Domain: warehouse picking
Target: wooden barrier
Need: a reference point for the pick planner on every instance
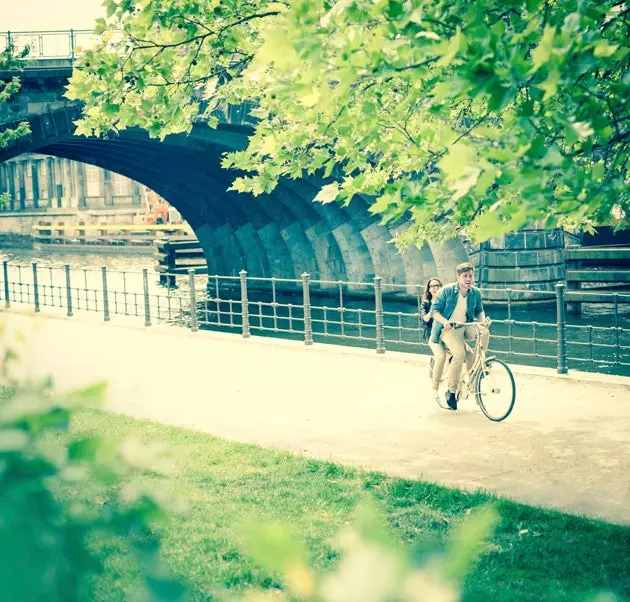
(101, 237)
(176, 257)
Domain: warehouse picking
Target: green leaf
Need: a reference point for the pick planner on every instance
(430, 35)
(469, 538)
(86, 448)
(274, 547)
(12, 440)
(454, 163)
(598, 171)
(310, 97)
(604, 49)
(455, 44)
(550, 85)
(486, 179)
(395, 9)
(111, 7)
(542, 52)
(100, 26)
(381, 204)
(463, 185)
(553, 158)
(501, 95)
(582, 129)
(328, 193)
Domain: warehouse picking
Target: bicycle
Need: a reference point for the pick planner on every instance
(490, 378)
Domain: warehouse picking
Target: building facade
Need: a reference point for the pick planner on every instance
(34, 182)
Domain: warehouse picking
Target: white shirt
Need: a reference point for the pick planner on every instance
(459, 313)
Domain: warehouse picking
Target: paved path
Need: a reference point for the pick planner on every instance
(566, 445)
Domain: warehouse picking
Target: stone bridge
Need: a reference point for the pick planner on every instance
(282, 234)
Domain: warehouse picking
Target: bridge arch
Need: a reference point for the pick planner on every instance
(282, 234)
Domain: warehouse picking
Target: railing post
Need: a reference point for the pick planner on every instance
(7, 299)
(244, 305)
(308, 324)
(68, 291)
(35, 287)
(562, 334)
(509, 319)
(194, 327)
(378, 314)
(147, 305)
(617, 329)
(105, 295)
(72, 44)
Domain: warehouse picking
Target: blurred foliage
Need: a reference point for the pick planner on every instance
(5, 200)
(47, 542)
(374, 566)
(450, 115)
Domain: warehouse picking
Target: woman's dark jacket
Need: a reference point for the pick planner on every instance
(424, 310)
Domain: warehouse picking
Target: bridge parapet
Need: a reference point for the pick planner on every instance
(61, 44)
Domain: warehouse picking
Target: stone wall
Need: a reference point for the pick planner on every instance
(531, 260)
(15, 240)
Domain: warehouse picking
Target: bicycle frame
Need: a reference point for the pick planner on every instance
(479, 357)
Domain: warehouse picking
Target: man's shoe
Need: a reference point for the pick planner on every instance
(438, 400)
(451, 400)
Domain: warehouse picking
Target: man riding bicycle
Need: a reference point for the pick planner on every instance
(456, 303)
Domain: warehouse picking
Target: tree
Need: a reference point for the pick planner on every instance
(480, 116)
(10, 60)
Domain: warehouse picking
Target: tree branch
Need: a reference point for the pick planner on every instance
(203, 36)
(416, 65)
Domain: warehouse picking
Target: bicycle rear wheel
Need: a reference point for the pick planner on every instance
(495, 390)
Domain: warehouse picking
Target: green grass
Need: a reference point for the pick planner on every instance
(226, 484)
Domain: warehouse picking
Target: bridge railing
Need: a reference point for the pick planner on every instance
(63, 44)
(377, 315)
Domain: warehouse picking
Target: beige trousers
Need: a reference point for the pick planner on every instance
(455, 340)
(439, 357)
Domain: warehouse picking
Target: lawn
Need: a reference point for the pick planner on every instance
(534, 554)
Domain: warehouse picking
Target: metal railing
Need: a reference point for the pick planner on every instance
(375, 314)
(63, 44)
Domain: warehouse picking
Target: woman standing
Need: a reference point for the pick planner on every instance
(439, 353)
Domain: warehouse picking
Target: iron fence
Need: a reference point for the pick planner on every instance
(373, 314)
(63, 44)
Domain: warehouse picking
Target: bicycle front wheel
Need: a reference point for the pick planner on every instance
(495, 390)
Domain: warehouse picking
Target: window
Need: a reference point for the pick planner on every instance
(42, 176)
(93, 180)
(27, 166)
(120, 185)
(16, 179)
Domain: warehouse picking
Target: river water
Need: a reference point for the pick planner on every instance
(598, 340)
